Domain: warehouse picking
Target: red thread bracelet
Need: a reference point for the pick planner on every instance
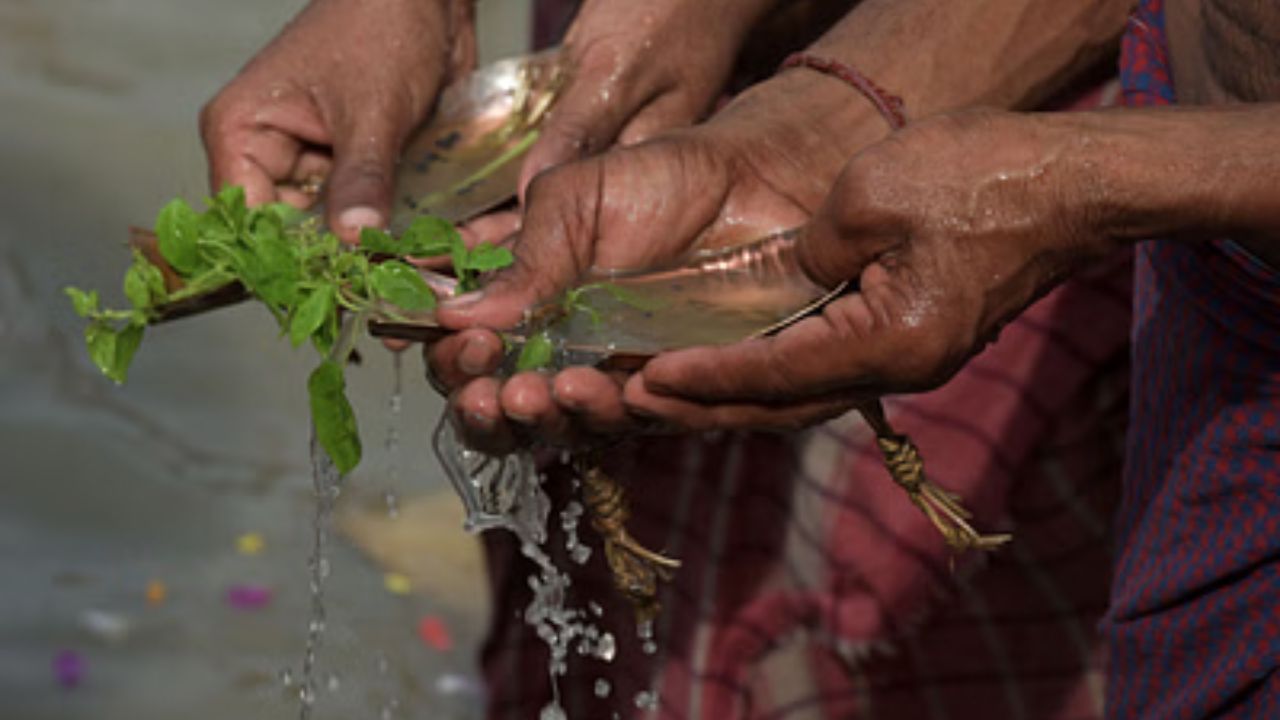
(889, 105)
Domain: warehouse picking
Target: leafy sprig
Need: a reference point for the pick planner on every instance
(304, 276)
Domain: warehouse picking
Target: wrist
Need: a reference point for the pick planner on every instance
(1183, 173)
(802, 127)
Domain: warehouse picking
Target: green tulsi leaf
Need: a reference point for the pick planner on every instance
(112, 349)
(429, 236)
(177, 229)
(230, 205)
(311, 314)
(100, 337)
(284, 212)
(335, 422)
(143, 283)
(128, 339)
(485, 257)
(302, 273)
(461, 270)
(399, 284)
(85, 303)
(536, 353)
(377, 241)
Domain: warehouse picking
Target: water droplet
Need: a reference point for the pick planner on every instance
(644, 630)
(647, 700)
(602, 688)
(606, 648)
(649, 647)
(286, 678)
(580, 554)
(552, 711)
(332, 683)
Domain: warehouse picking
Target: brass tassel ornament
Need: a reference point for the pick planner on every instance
(636, 570)
(905, 465)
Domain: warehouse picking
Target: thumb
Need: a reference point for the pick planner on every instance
(553, 250)
(841, 240)
(362, 180)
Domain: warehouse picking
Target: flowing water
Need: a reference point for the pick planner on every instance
(327, 485)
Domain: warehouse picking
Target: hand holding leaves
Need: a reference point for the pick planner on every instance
(303, 275)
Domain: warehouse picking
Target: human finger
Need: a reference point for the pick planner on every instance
(255, 143)
(306, 181)
(364, 154)
(587, 115)
(593, 399)
(526, 399)
(663, 112)
(848, 232)
(252, 159)
(689, 415)
(479, 419)
(493, 228)
(457, 359)
(553, 249)
(865, 339)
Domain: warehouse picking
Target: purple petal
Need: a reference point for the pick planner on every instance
(248, 597)
(69, 668)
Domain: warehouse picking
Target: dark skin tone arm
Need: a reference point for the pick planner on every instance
(955, 225)
(1062, 189)
(936, 55)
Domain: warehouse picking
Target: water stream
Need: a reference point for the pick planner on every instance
(326, 486)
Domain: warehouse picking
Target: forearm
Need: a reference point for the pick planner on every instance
(1009, 54)
(937, 56)
(1194, 173)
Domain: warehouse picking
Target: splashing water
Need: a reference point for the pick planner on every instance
(507, 493)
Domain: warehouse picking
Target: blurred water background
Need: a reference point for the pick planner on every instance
(174, 480)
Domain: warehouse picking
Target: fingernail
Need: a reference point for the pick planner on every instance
(566, 397)
(469, 360)
(360, 217)
(463, 300)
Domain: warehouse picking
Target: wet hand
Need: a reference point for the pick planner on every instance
(949, 227)
(329, 102)
(632, 208)
(638, 68)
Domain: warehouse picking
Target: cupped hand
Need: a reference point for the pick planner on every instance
(734, 178)
(638, 68)
(330, 101)
(950, 227)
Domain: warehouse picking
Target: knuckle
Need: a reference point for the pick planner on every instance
(369, 173)
(213, 118)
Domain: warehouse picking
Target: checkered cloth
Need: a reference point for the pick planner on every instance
(1195, 621)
